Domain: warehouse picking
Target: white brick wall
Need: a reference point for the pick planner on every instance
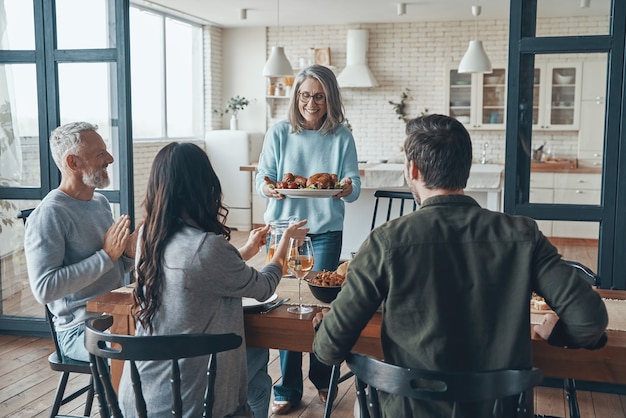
(415, 55)
(212, 76)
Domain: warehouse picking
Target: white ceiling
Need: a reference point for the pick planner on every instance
(227, 13)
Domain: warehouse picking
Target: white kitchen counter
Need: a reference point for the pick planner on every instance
(484, 185)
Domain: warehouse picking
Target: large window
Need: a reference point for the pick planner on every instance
(60, 61)
(166, 76)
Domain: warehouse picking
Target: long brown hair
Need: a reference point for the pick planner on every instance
(182, 182)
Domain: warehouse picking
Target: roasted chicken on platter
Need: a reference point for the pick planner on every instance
(316, 181)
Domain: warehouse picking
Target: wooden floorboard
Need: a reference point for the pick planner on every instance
(27, 387)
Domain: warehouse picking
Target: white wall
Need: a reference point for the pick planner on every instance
(243, 57)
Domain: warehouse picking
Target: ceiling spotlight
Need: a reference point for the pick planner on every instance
(401, 9)
(584, 4)
(243, 14)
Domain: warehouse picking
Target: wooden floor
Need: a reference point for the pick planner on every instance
(27, 387)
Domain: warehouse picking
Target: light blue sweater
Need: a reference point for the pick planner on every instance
(66, 263)
(305, 154)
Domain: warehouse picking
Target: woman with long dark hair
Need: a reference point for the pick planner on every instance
(190, 279)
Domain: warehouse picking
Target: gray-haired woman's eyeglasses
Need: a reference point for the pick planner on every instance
(305, 97)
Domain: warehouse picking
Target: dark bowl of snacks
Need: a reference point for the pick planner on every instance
(326, 285)
(324, 294)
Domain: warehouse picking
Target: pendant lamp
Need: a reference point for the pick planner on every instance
(475, 59)
(277, 64)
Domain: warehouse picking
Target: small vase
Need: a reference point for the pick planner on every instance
(233, 123)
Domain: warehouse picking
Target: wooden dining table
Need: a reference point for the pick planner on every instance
(280, 329)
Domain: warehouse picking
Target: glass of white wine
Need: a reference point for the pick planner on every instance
(300, 262)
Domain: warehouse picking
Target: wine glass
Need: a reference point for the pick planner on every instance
(300, 262)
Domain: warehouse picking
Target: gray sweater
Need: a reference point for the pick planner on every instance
(66, 263)
(204, 281)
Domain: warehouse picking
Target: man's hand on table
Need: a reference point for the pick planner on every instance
(317, 319)
(545, 328)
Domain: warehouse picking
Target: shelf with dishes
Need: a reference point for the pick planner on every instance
(477, 100)
(278, 91)
(557, 96)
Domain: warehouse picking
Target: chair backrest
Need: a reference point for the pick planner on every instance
(391, 196)
(24, 213)
(456, 387)
(53, 332)
(103, 346)
(585, 272)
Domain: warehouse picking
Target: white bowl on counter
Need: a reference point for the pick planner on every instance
(563, 79)
(493, 79)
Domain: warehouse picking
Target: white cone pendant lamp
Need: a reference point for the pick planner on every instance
(277, 64)
(475, 59)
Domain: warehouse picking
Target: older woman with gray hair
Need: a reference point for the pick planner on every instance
(314, 139)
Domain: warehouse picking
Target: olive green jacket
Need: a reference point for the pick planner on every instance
(454, 282)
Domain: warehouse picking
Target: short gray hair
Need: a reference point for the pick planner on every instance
(66, 140)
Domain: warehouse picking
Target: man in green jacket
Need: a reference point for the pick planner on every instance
(455, 280)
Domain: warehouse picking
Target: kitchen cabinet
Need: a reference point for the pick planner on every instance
(477, 100)
(567, 188)
(556, 96)
(542, 191)
(592, 111)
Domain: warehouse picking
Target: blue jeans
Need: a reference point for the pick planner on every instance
(327, 249)
(72, 343)
(259, 381)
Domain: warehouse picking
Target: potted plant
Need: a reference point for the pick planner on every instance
(235, 104)
(400, 107)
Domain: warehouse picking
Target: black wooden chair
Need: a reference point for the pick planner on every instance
(63, 364)
(390, 197)
(103, 346)
(455, 387)
(24, 213)
(569, 385)
(66, 366)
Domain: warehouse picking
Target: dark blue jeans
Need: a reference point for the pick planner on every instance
(327, 249)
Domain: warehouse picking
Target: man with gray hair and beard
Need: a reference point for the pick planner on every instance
(74, 249)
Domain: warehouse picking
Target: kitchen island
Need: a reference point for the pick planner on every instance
(484, 185)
